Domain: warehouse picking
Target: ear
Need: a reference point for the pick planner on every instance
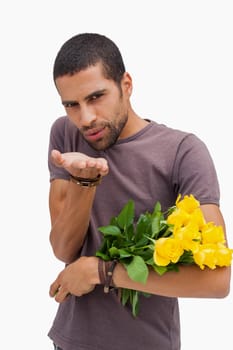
(127, 84)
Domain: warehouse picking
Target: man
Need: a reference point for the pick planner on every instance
(102, 154)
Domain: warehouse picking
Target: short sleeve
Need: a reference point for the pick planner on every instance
(194, 171)
(56, 141)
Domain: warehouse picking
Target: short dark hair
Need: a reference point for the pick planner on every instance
(85, 50)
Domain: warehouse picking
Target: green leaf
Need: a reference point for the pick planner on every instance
(104, 247)
(137, 270)
(131, 296)
(165, 230)
(171, 209)
(124, 253)
(146, 295)
(142, 242)
(129, 232)
(150, 261)
(156, 225)
(134, 302)
(160, 269)
(173, 267)
(126, 216)
(157, 208)
(113, 221)
(114, 252)
(142, 227)
(110, 230)
(186, 258)
(146, 255)
(103, 256)
(125, 294)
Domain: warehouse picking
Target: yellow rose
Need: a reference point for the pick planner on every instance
(187, 211)
(188, 203)
(189, 232)
(206, 256)
(198, 218)
(223, 255)
(167, 249)
(212, 234)
(178, 218)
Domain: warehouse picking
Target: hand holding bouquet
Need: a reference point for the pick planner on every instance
(183, 237)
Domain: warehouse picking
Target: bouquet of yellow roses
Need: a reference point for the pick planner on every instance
(162, 243)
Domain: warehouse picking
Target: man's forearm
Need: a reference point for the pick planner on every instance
(70, 226)
(189, 282)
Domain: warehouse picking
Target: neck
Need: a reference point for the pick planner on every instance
(133, 125)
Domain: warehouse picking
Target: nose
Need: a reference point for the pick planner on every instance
(87, 116)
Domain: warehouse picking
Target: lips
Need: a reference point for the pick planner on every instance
(94, 134)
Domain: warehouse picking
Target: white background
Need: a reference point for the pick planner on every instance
(180, 56)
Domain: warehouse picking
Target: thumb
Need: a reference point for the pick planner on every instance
(56, 157)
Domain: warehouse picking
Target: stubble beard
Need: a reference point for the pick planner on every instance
(114, 131)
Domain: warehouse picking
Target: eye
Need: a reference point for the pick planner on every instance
(70, 104)
(96, 96)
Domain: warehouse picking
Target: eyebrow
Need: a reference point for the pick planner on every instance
(73, 102)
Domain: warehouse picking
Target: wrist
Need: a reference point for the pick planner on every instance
(93, 269)
(86, 182)
(106, 270)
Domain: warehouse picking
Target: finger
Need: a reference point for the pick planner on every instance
(102, 166)
(57, 157)
(54, 288)
(91, 163)
(61, 294)
(77, 164)
(98, 163)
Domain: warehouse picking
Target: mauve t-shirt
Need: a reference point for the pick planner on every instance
(155, 164)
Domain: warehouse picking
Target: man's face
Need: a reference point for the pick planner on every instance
(96, 105)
